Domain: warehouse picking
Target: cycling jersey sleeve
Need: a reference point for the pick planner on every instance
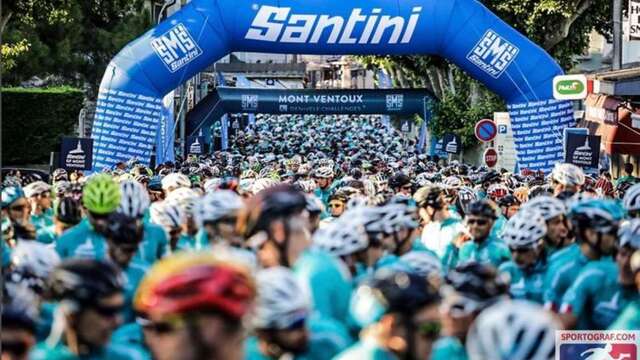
(578, 294)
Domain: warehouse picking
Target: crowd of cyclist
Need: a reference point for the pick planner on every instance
(315, 238)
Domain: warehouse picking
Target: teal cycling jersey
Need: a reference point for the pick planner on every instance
(327, 281)
(563, 254)
(367, 349)
(130, 336)
(47, 235)
(6, 255)
(629, 319)
(490, 251)
(563, 269)
(186, 242)
(526, 284)
(133, 274)
(448, 348)
(498, 227)
(596, 298)
(45, 320)
(45, 351)
(82, 241)
(43, 220)
(450, 258)
(327, 338)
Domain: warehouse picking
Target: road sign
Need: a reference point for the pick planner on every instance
(486, 130)
(490, 157)
(570, 87)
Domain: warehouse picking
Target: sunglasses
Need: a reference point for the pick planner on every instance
(520, 249)
(108, 311)
(164, 327)
(480, 222)
(336, 205)
(127, 248)
(18, 208)
(406, 187)
(429, 329)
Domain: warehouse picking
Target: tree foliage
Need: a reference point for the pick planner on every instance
(561, 27)
(72, 40)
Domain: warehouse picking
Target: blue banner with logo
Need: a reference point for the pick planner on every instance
(384, 82)
(243, 82)
(166, 132)
(76, 153)
(465, 32)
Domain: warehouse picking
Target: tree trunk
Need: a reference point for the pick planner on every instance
(4, 21)
(563, 29)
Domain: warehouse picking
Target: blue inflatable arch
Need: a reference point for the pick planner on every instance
(130, 110)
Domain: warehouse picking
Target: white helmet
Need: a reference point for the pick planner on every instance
(568, 174)
(212, 184)
(549, 207)
(184, 197)
(34, 258)
(422, 263)
(525, 229)
(36, 188)
(632, 198)
(513, 330)
(218, 205)
(281, 299)
(342, 237)
(629, 234)
(324, 172)
(174, 181)
(134, 199)
(453, 182)
(307, 186)
(390, 218)
(262, 183)
(166, 214)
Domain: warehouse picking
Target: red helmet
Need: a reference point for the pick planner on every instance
(191, 282)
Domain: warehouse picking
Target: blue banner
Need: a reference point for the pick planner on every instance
(384, 82)
(243, 82)
(464, 32)
(422, 137)
(166, 132)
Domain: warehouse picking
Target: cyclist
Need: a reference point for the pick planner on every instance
(509, 206)
(399, 314)
(629, 235)
(323, 177)
(400, 184)
(124, 235)
(100, 197)
(440, 227)
(186, 199)
(217, 214)
(524, 234)
(285, 325)
(39, 195)
(483, 246)
(18, 333)
(554, 213)
(468, 289)
(526, 332)
(628, 175)
(170, 217)
(174, 181)
(631, 201)
(275, 223)
(603, 288)
(89, 297)
(566, 180)
(595, 223)
(337, 203)
(68, 214)
(15, 207)
(195, 304)
(490, 178)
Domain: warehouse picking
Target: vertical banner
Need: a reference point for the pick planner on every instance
(504, 143)
(422, 137)
(633, 31)
(166, 132)
(384, 82)
(243, 82)
(224, 132)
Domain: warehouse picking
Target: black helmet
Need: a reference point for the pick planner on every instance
(480, 282)
(484, 208)
(398, 180)
(278, 201)
(508, 200)
(491, 176)
(84, 281)
(68, 211)
(123, 229)
(391, 291)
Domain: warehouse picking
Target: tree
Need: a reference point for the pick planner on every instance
(72, 40)
(561, 27)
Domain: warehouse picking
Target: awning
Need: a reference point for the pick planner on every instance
(608, 117)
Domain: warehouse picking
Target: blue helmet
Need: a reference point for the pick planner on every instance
(601, 215)
(10, 194)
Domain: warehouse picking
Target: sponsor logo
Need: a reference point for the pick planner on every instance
(281, 24)
(597, 345)
(568, 87)
(284, 107)
(493, 54)
(249, 102)
(395, 102)
(176, 48)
